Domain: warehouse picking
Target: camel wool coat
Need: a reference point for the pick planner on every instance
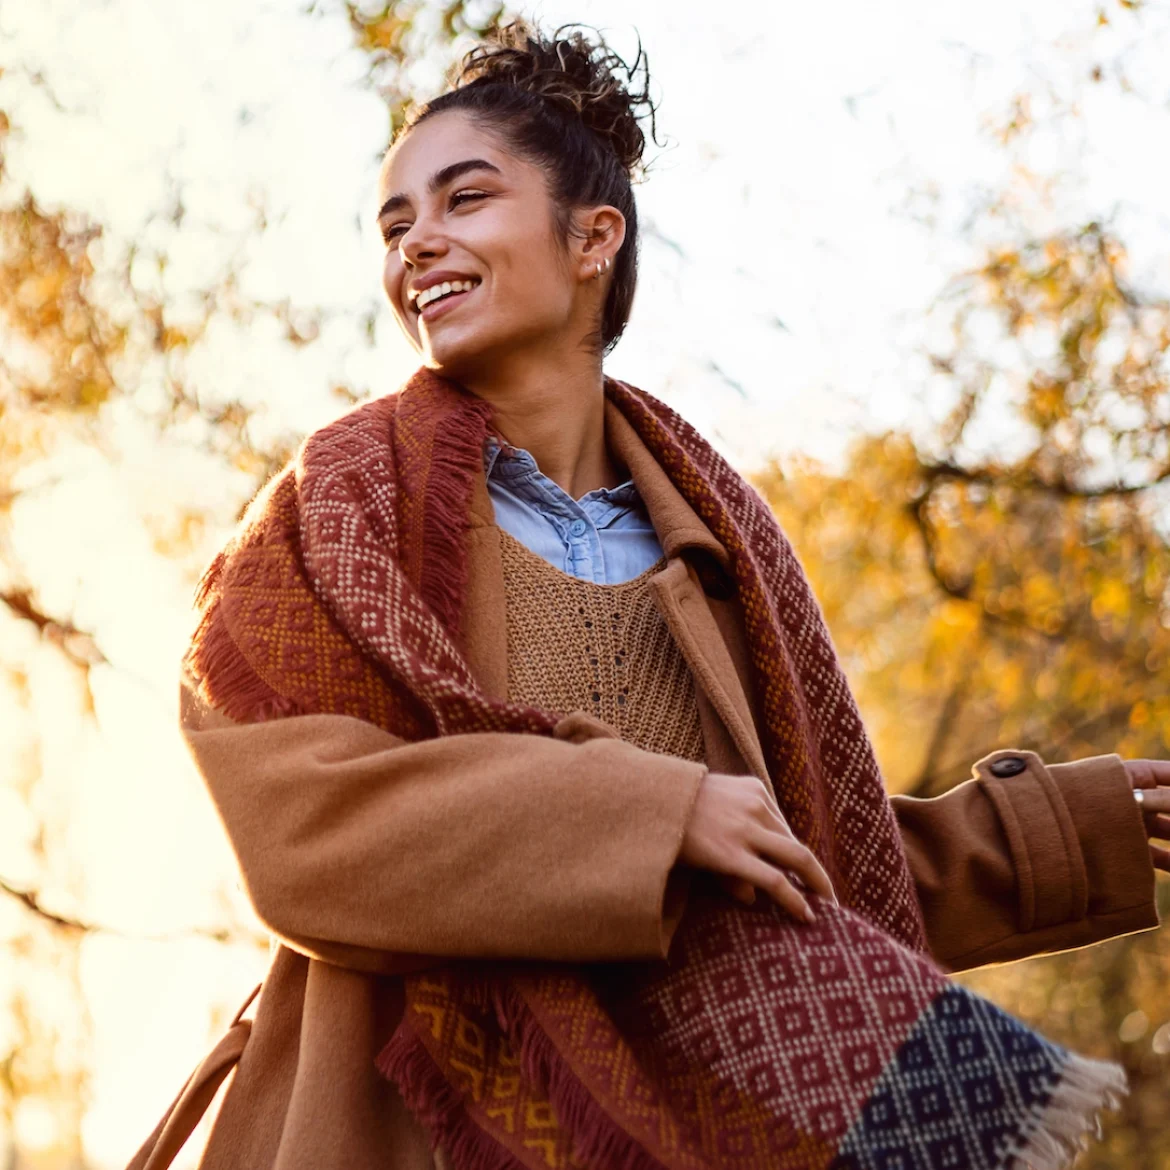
(368, 856)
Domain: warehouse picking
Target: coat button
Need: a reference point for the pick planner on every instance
(1007, 766)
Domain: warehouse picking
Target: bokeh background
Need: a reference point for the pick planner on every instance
(906, 264)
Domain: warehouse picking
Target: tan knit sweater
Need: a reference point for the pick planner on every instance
(605, 649)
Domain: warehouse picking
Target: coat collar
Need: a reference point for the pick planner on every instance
(677, 524)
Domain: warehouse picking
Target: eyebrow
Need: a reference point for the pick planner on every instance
(440, 179)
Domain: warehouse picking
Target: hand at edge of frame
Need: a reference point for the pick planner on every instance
(1153, 778)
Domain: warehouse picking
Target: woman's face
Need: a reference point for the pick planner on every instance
(457, 207)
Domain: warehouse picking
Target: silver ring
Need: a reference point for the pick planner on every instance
(598, 272)
(1139, 794)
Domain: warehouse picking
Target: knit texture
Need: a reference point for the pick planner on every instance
(578, 645)
(760, 1042)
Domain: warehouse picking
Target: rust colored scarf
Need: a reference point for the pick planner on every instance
(760, 1042)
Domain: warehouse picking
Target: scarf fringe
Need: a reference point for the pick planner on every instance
(1057, 1134)
(455, 462)
(209, 582)
(598, 1141)
(226, 681)
(438, 1105)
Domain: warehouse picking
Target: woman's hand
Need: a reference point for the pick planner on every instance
(737, 831)
(1153, 778)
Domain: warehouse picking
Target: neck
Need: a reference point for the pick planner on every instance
(554, 409)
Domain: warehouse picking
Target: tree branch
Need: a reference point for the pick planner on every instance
(943, 728)
(31, 901)
(917, 509)
(1050, 751)
(962, 591)
(1057, 487)
(79, 647)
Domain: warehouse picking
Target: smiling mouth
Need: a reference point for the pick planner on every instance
(429, 301)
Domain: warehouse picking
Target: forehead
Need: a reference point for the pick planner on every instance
(439, 141)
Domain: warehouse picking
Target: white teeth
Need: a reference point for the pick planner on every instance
(440, 290)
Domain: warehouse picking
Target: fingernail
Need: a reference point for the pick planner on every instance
(809, 916)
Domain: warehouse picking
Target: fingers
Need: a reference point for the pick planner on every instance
(1160, 857)
(791, 854)
(770, 797)
(1148, 773)
(777, 887)
(1158, 826)
(737, 830)
(1155, 800)
(740, 889)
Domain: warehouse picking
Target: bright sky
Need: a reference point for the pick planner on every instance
(821, 168)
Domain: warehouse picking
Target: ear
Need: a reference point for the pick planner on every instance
(600, 233)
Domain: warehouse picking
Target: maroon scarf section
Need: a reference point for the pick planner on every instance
(343, 588)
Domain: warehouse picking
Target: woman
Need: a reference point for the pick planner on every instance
(589, 573)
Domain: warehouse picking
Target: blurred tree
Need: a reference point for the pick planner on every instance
(999, 574)
(89, 322)
(1013, 563)
(410, 43)
(1003, 580)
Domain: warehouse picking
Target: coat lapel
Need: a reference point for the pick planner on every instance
(485, 632)
(682, 601)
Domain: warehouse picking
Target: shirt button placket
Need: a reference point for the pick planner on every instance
(578, 548)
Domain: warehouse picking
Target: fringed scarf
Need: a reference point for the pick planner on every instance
(760, 1042)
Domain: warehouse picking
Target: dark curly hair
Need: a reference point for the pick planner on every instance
(558, 101)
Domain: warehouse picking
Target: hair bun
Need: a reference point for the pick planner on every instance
(576, 73)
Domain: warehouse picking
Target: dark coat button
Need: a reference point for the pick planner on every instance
(1007, 766)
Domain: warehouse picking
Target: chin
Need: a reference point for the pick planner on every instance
(459, 358)
(454, 362)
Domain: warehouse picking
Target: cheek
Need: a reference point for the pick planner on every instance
(393, 282)
(533, 288)
(392, 275)
(529, 280)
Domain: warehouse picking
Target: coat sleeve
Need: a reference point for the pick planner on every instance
(1052, 858)
(362, 849)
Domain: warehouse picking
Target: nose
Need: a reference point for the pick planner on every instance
(421, 242)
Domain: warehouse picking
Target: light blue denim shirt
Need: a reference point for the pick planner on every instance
(605, 536)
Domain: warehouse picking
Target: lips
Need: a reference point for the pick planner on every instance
(438, 308)
(435, 280)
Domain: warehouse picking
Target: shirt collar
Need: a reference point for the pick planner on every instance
(493, 448)
(505, 463)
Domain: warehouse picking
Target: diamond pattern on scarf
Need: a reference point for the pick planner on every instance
(963, 1083)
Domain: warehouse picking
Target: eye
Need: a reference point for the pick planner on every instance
(460, 196)
(396, 229)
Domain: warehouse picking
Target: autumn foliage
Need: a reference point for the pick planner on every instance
(1003, 580)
